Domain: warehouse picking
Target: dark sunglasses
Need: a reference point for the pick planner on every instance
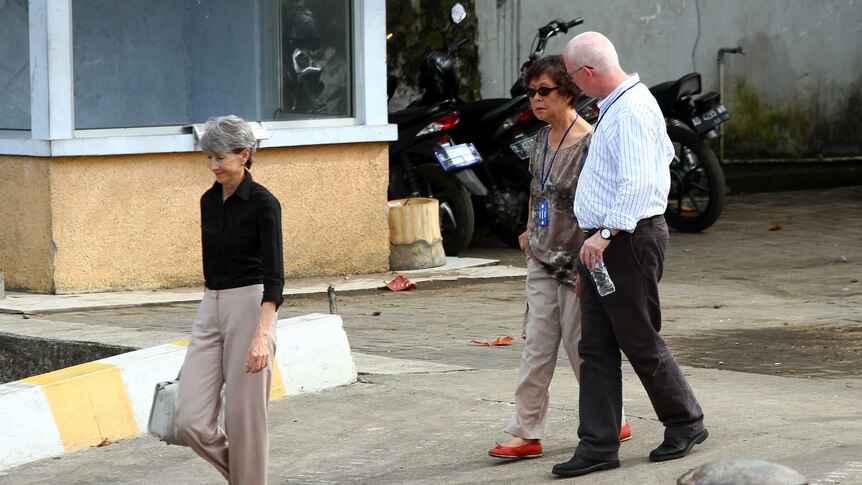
(544, 91)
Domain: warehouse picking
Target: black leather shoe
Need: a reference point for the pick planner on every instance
(580, 465)
(673, 448)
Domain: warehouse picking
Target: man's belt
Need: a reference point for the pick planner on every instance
(642, 222)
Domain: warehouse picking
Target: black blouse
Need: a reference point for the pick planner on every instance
(241, 239)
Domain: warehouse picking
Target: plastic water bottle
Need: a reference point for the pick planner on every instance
(604, 284)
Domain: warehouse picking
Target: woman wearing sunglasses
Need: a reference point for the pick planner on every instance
(551, 241)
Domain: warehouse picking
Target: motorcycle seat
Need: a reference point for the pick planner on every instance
(494, 116)
(476, 109)
(487, 114)
(409, 116)
(667, 93)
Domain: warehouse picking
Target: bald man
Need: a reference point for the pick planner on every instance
(620, 202)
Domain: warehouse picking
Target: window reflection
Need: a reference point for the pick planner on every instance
(316, 73)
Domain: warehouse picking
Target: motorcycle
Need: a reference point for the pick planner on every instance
(697, 191)
(697, 187)
(426, 162)
(491, 125)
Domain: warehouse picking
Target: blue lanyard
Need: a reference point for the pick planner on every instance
(545, 176)
(612, 102)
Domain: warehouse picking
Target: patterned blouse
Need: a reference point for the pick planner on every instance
(556, 245)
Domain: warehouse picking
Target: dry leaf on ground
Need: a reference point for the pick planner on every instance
(500, 341)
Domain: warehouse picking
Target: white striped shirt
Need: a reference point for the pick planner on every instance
(626, 176)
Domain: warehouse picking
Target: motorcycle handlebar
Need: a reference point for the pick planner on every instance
(546, 32)
(555, 26)
(572, 23)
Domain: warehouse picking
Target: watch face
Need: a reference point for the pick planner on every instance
(606, 233)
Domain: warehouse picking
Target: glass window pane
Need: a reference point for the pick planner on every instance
(316, 59)
(169, 62)
(15, 75)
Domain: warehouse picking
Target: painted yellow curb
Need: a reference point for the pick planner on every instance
(89, 403)
(277, 389)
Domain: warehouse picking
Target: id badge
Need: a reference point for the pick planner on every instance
(543, 213)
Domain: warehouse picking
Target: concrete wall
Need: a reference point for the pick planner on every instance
(797, 92)
(121, 222)
(26, 252)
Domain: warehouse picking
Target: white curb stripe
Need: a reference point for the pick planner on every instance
(310, 353)
(141, 369)
(28, 432)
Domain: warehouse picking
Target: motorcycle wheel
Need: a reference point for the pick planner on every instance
(512, 201)
(696, 196)
(456, 210)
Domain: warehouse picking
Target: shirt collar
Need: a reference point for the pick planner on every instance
(631, 81)
(243, 190)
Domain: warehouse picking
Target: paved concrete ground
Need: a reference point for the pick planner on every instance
(747, 311)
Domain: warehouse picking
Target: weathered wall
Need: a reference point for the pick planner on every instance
(25, 223)
(126, 221)
(797, 92)
(133, 221)
(334, 199)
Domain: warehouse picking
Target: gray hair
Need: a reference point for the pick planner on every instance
(592, 49)
(228, 134)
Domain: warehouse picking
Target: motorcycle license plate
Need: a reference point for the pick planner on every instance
(458, 156)
(523, 148)
(710, 119)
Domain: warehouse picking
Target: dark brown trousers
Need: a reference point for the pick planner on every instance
(629, 320)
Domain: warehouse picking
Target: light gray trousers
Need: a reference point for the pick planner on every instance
(221, 335)
(553, 315)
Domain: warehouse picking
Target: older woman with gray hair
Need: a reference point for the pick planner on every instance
(233, 336)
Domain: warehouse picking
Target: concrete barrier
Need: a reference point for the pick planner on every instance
(109, 399)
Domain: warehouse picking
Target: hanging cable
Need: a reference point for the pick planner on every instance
(696, 39)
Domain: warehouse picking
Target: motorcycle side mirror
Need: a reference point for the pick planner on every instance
(458, 13)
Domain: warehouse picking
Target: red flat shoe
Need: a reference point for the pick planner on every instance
(625, 432)
(530, 450)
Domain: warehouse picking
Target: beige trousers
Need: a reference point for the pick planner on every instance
(553, 315)
(221, 335)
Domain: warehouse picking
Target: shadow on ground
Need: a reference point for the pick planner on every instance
(820, 351)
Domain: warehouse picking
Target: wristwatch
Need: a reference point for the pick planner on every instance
(606, 234)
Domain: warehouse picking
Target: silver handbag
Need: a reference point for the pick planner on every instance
(162, 423)
(163, 413)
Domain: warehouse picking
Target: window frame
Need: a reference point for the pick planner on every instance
(53, 133)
